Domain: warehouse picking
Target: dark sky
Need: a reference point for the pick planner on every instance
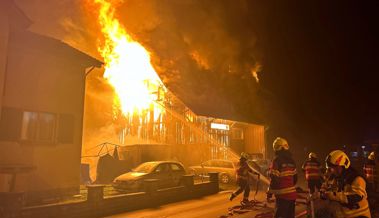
(321, 64)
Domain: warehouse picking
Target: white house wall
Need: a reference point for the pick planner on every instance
(38, 82)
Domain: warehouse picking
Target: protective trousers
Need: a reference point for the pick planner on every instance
(313, 184)
(243, 187)
(284, 208)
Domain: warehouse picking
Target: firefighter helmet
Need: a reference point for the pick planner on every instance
(371, 156)
(280, 144)
(337, 158)
(312, 155)
(244, 156)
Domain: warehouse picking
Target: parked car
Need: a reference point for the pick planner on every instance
(168, 174)
(261, 165)
(225, 168)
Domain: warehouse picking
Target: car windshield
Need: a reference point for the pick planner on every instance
(145, 167)
(224, 164)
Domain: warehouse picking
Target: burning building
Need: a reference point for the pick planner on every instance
(151, 122)
(42, 83)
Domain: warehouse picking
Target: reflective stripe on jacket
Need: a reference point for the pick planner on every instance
(312, 169)
(352, 197)
(283, 178)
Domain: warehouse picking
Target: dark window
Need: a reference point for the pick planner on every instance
(31, 126)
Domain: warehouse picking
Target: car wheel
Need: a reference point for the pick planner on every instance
(224, 178)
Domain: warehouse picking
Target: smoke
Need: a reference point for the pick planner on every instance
(64, 20)
(197, 46)
(204, 51)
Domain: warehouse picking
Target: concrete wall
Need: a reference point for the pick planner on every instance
(100, 207)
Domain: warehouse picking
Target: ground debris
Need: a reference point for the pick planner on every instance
(252, 205)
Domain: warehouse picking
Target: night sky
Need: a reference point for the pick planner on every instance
(316, 60)
(321, 64)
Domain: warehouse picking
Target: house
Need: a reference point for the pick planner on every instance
(169, 129)
(42, 85)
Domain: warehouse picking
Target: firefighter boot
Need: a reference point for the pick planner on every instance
(245, 201)
(232, 196)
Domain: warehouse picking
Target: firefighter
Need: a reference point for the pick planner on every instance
(243, 173)
(351, 187)
(283, 179)
(369, 171)
(370, 174)
(312, 170)
(328, 208)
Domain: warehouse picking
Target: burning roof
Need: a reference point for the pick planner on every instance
(185, 62)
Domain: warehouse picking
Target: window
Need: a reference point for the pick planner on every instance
(207, 163)
(161, 168)
(226, 164)
(237, 133)
(223, 164)
(176, 167)
(32, 126)
(38, 126)
(354, 154)
(215, 163)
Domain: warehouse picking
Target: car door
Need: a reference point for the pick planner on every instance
(217, 166)
(208, 166)
(177, 172)
(227, 167)
(162, 174)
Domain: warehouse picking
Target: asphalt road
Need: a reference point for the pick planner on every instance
(213, 206)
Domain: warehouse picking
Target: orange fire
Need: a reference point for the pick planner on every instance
(127, 64)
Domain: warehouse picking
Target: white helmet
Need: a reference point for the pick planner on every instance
(244, 156)
(371, 156)
(280, 144)
(312, 155)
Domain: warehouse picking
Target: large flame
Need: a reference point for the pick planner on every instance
(127, 63)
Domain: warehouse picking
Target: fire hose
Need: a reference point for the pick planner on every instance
(257, 187)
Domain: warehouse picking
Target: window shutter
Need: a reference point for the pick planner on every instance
(66, 129)
(10, 124)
